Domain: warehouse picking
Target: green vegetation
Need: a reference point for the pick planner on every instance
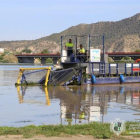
(125, 59)
(45, 51)
(49, 60)
(138, 50)
(27, 51)
(1, 57)
(97, 130)
(8, 58)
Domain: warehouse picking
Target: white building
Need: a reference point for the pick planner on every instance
(1, 50)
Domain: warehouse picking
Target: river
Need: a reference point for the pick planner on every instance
(36, 105)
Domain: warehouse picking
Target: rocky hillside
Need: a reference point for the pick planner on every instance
(121, 36)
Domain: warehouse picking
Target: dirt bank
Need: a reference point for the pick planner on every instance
(81, 137)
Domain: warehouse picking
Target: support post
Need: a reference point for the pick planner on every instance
(43, 60)
(19, 75)
(125, 69)
(92, 68)
(117, 68)
(109, 70)
(131, 69)
(138, 72)
(99, 69)
(103, 50)
(76, 48)
(61, 45)
(55, 59)
(89, 43)
(104, 70)
(89, 54)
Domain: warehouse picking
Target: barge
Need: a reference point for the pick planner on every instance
(93, 69)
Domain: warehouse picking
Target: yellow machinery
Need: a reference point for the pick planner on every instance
(46, 76)
(22, 70)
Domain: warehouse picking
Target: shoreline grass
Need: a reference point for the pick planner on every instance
(97, 130)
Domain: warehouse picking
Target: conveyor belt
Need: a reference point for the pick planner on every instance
(63, 77)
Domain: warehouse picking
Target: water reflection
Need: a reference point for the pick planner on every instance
(84, 104)
(22, 94)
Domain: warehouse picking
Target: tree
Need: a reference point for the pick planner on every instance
(127, 58)
(27, 51)
(49, 60)
(45, 51)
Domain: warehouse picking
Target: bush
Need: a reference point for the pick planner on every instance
(138, 50)
(49, 60)
(27, 51)
(9, 58)
(1, 57)
(127, 58)
(45, 51)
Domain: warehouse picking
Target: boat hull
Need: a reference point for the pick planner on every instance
(113, 80)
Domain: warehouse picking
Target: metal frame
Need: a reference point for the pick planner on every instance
(103, 38)
(21, 71)
(100, 63)
(89, 43)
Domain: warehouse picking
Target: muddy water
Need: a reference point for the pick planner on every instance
(20, 106)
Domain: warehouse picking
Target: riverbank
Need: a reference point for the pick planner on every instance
(79, 137)
(78, 132)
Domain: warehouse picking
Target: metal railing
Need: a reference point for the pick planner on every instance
(75, 58)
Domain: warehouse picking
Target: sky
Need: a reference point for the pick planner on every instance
(33, 19)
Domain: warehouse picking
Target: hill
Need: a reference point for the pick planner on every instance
(123, 35)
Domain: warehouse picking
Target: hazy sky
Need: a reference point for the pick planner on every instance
(32, 19)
